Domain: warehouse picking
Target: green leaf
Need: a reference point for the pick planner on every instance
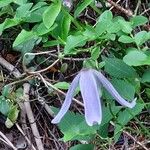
(140, 37)
(13, 113)
(74, 41)
(117, 68)
(95, 53)
(82, 6)
(51, 43)
(62, 85)
(90, 32)
(106, 16)
(6, 90)
(5, 3)
(138, 20)
(36, 15)
(23, 12)
(125, 39)
(125, 89)
(4, 106)
(125, 26)
(104, 22)
(100, 28)
(77, 128)
(136, 58)
(25, 41)
(65, 26)
(28, 58)
(8, 23)
(41, 29)
(24, 36)
(83, 147)
(113, 27)
(124, 117)
(51, 13)
(146, 76)
(108, 114)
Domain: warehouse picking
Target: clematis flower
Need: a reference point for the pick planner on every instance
(90, 82)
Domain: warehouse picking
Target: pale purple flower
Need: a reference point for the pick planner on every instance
(90, 82)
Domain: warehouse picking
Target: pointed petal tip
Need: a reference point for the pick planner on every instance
(94, 123)
(133, 103)
(55, 121)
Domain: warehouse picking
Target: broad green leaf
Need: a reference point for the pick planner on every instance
(146, 76)
(106, 16)
(108, 114)
(36, 15)
(23, 12)
(83, 147)
(124, 117)
(125, 89)
(90, 32)
(24, 36)
(113, 27)
(100, 28)
(136, 58)
(117, 68)
(41, 29)
(5, 3)
(126, 39)
(138, 20)
(140, 37)
(103, 22)
(74, 41)
(77, 128)
(25, 41)
(82, 6)
(50, 14)
(28, 45)
(8, 23)
(125, 26)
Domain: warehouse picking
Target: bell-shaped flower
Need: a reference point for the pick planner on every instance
(90, 82)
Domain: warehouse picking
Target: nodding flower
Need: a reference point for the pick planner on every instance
(90, 82)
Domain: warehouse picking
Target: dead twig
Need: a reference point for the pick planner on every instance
(125, 11)
(10, 67)
(8, 142)
(31, 117)
(135, 140)
(27, 139)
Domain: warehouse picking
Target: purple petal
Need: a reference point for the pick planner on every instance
(67, 101)
(113, 91)
(91, 98)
